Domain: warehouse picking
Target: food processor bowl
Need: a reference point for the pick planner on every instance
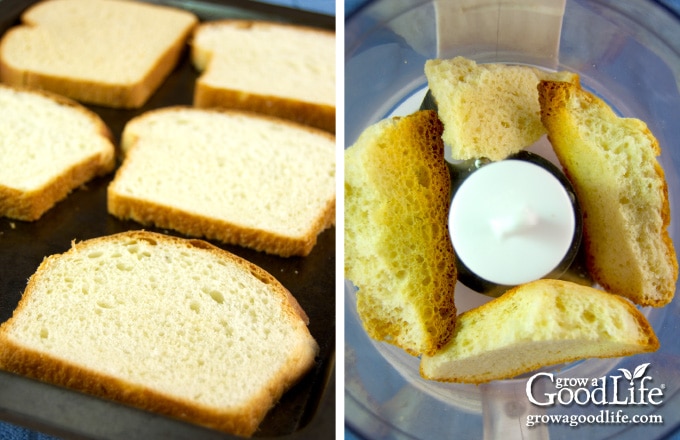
(628, 53)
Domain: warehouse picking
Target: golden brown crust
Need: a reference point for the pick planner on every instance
(315, 115)
(530, 366)
(207, 96)
(648, 343)
(111, 95)
(241, 421)
(405, 194)
(31, 205)
(201, 57)
(129, 141)
(651, 344)
(489, 110)
(121, 95)
(194, 225)
(19, 360)
(149, 213)
(579, 159)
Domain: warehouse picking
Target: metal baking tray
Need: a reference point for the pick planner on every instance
(307, 411)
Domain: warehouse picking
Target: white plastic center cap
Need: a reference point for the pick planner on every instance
(511, 222)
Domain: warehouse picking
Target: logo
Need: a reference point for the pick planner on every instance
(629, 388)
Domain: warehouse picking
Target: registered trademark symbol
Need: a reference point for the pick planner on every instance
(663, 386)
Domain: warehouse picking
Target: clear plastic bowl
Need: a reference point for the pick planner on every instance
(627, 52)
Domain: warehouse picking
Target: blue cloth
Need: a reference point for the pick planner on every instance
(352, 5)
(12, 432)
(673, 5)
(326, 7)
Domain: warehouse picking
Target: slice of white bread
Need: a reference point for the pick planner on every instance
(611, 162)
(241, 178)
(108, 52)
(169, 325)
(49, 145)
(488, 110)
(397, 247)
(538, 324)
(278, 69)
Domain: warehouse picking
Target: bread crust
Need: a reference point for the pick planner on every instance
(488, 110)
(110, 94)
(33, 364)
(397, 248)
(610, 236)
(237, 420)
(586, 346)
(31, 205)
(195, 225)
(314, 114)
(149, 213)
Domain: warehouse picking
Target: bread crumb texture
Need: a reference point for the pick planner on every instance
(48, 147)
(611, 161)
(277, 178)
(537, 324)
(488, 110)
(170, 325)
(108, 52)
(278, 69)
(397, 247)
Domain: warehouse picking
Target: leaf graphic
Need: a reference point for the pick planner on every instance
(626, 373)
(640, 371)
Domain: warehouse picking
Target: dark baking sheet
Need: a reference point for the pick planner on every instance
(306, 411)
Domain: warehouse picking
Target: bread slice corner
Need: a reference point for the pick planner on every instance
(397, 248)
(538, 324)
(489, 110)
(612, 164)
(112, 53)
(278, 69)
(238, 177)
(170, 325)
(49, 146)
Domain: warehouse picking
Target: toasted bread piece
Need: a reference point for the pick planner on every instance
(169, 325)
(538, 324)
(279, 69)
(49, 145)
(397, 248)
(488, 110)
(108, 52)
(611, 162)
(241, 178)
